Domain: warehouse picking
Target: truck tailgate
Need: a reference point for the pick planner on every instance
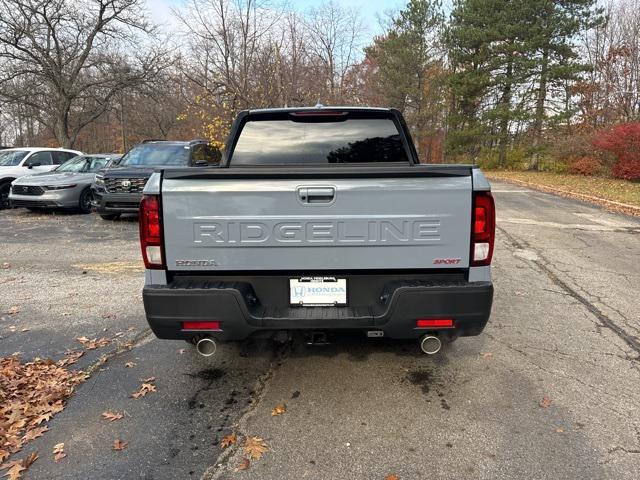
(231, 223)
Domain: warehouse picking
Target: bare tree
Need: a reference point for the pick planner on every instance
(611, 91)
(336, 34)
(67, 60)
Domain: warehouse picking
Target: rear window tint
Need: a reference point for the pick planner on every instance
(285, 141)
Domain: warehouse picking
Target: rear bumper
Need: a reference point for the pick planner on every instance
(233, 304)
(105, 202)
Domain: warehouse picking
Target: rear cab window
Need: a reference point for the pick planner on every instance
(319, 138)
(157, 155)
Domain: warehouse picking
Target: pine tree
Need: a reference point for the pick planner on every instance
(410, 68)
(487, 41)
(552, 42)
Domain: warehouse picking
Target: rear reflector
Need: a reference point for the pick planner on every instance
(435, 323)
(200, 325)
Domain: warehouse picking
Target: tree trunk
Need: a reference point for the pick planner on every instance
(540, 102)
(61, 126)
(505, 102)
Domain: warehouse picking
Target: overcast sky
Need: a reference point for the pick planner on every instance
(160, 10)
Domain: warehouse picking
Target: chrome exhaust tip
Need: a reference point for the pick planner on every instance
(206, 347)
(430, 344)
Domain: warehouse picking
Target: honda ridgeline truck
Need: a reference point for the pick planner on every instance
(318, 220)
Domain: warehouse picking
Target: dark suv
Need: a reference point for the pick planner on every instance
(118, 189)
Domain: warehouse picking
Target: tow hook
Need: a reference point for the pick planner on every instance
(430, 344)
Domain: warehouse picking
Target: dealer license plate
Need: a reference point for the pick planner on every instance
(318, 291)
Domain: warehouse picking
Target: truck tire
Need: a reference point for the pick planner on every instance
(5, 188)
(109, 216)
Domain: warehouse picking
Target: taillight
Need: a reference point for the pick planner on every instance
(151, 232)
(483, 229)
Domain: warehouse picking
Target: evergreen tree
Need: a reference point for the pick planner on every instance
(410, 72)
(505, 54)
(558, 22)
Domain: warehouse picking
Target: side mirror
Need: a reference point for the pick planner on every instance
(34, 164)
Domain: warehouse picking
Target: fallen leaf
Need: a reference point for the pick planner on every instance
(15, 471)
(70, 357)
(95, 343)
(255, 447)
(146, 388)
(149, 380)
(129, 364)
(112, 416)
(228, 440)
(392, 476)
(119, 445)
(58, 452)
(27, 462)
(278, 410)
(34, 433)
(5, 266)
(4, 455)
(243, 465)
(13, 310)
(559, 430)
(545, 402)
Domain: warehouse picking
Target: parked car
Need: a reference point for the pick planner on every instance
(317, 221)
(119, 190)
(67, 186)
(18, 162)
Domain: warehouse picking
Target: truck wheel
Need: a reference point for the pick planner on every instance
(5, 188)
(110, 216)
(84, 204)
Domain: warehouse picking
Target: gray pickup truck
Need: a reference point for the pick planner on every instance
(318, 221)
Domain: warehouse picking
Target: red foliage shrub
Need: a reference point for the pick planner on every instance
(627, 169)
(585, 166)
(623, 141)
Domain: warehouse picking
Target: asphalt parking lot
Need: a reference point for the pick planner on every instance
(550, 390)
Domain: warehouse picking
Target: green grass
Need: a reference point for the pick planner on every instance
(607, 188)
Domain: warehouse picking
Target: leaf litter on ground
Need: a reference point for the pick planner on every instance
(31, 393)
(94, 343)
